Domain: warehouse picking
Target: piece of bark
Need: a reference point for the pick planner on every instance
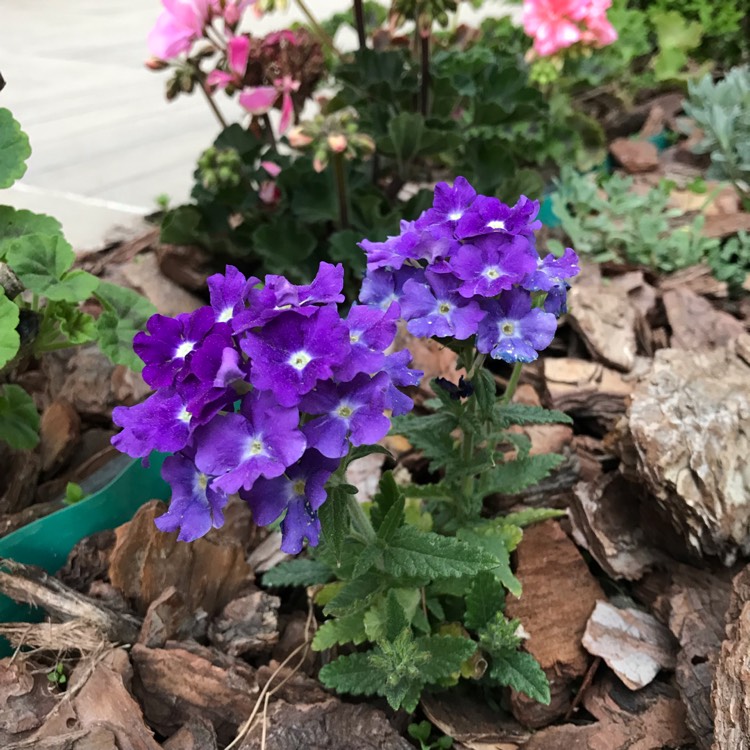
(31, 585)
(290, 684)
(87, 561)
(208, 573)
(730, 696)
(332, 725)
(650, 719)
(23, 469)
(725, 225)
(247, 625)
(593, 456)
(59, 433)
(99, 737)
(174, 685)
(11, 522)
(87, 384)
(633, 643)
(196, 734)
(559, 595)
(25, 699)
(699, 279)
(655, 122)
(606, 521)
(605, 319)
(470, 721)
(74, 636)
(696, 324)
(167, 618)
(294, 632)
(635, 156)
(187, 265)
(688, 422)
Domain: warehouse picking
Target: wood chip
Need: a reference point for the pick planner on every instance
(21, 469)
(247, 625)
(725, 225)
(634, 155)
(696, 324)
(25, 699)
(634, 644)
(187, 265)
(559, 595)
(196, 734)
(699, 279)
(59, 432)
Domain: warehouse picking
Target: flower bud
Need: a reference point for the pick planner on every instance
(154, 63)
(337, 143)
(297, 138)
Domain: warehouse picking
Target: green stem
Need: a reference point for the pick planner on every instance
(424, 88)
(512, 383)
(319, 30)
(359, 18)
(467, 456)
(339, 173)
(360, 520)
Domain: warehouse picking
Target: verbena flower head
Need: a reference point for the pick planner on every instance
(262, 392)
(557, 24)
(467, 269)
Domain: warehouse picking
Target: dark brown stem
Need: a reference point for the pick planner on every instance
(359, 18)
(269, 130)
(209, 98)
(339, 173)
(424, 90)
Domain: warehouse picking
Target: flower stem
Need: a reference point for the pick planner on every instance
(269, 131)
(360, 519)
(325, 37)
(359, 18)
(424, 89)
(210, 98)
(512, 383)
(339, 173)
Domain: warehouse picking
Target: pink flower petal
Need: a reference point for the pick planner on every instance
(238, 51)
(258, 100)
(287, 113)
(273, 169)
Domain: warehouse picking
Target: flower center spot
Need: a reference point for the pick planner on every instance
(496, 224)
(225, 315)
(300, 360)
(344, 411)
(184, 415)
(256, 447)
(444, 308)
(508, 328)
(492, 273)
(353, 338)
(299, 487)
(202, 481)
(455, 215)
(184, 349)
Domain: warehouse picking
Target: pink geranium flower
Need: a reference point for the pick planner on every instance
(178, 26)
(238, 52)
(287, 85)
(557, 24)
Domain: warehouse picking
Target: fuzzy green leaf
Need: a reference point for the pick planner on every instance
(499, 635)
(355, 595)
(10, 341)
(335, 520)
(529, 516)
(353, 674)
(445, 653)
(14, 149)
(522, 672)
(298, 572)
(15, 224)
(366, 450)
(505, 415)
(498, 540)
(418, 553)
(429, 433)
(340, 630)
(485, 598)
(513, 476)
(125, 314)
(387, 496)
(19, 419)
(392, 520)
(485, 391)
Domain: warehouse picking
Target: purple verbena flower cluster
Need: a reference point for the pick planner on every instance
(310, 384)
(469, 267)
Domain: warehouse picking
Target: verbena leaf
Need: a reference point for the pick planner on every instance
(392, 499)
(513, 476)
(365, 560)
(485, 391)
(499, 541)
(353, 674)
(366, 450)
(354, 595)
(340, 630)
(430, 434)
(19, 419)
(445, 653)
(522, 672)
(15, 224)
(484, 600)
(10, 341)
(416, 553)
(499, 635)
(387, 495)
(14, 149)
(529, 516)
(125, 314)
(505, 415)
(298, 572)
(335, 520)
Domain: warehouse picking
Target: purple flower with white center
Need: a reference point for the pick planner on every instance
(228, 292)
(160, 423)
(351, 413)
(381, 288)
(292, 353)
(325, 288)
(395, 250)
(371, 332)
(513, 330)
(397, 368)
(167, 349)
(300, 492)
(436, 308)
(488, 267)
(196, 505)
(449, 204)
(550, 272)
(488, 215)
(262, 440)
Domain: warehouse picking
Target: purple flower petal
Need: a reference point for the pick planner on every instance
(552, 271)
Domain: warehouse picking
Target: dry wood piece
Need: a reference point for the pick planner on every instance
(332, 725)
(187, 265)
(634, 644)
(167, 618)
(30, 585)
(87, 561)
(605, 319)
(174, 685)
(559, 595)
(696, 324)
(606, 521)
(725, 225)
(699, 279)
(208, 573)
(25, 699)
(635, 156)
(196, 734)
(74, 635)
(247, 625)
(689, 425)
(20, 482)
(59, 432)
(731, 690)
(650, 719)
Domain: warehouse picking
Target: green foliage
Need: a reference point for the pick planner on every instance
(722, 111)
(14, 149)
(19, 419)
(298, 572)
(676, 39)
(607, 221)
(10, 341)
(15, 224)
(57, 676)
(730, 262)
(73, 493)
(421, 733)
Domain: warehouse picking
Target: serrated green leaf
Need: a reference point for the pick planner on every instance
(19, 419)
(499, 541)
(530, 516)
(387, 495)
(14, 149)
(340, 630)
(499, 635)
(485, 391)
(445, 654)
(355, 595)
(335, 520)
(354, 674)
(125, 314)
(390, 615)
(298, 572)
(361, 451)
(393, 519)
(429, 433)
(10, 341)
(416, 553)
(485, 598)
(404, 695)
(513, 476)
(505, 415)
(15, 224)
(365, 561)
(521, 671)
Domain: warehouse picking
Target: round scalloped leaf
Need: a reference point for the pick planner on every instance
(9, 338)
(19, 419)
(14, 149)
(18, 223)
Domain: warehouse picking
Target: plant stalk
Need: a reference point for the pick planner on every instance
(210, 99)
(512, 383)
(339, 173)
(324, 36)
(359, 18)
(424, 87)
(360, 520)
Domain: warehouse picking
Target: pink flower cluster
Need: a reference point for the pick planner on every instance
(557, 24)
